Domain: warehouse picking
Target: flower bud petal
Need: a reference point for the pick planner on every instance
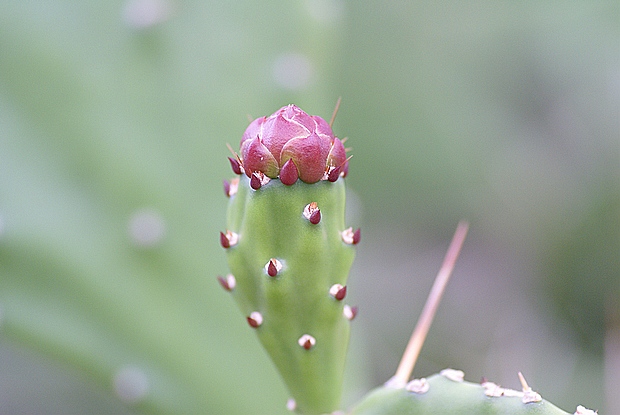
(323, 128)
(289, 173)
(309, 154)
(278, 130)
(337, 154)
(257, 158)
(253, 130)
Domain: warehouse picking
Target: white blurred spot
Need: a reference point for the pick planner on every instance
(141, 14)
(291, 405)
(146, 228)
(131, 384)
(325, 11)
(292, 71)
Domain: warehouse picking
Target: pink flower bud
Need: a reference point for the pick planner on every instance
(290, 134)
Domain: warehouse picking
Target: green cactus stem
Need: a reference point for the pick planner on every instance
(289, 251)
(448, 394)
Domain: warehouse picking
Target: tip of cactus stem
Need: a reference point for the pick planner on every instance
(255, 319)
(350, 237)
(312, 213)
(289, 173)
(338, 291)
(227, 283)
(228, 239)
(236, 166)
(273, 267)
(349, 312)
(306, 341)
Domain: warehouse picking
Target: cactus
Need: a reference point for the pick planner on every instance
(289, 253)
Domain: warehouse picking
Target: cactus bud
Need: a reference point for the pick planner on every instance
(291, 144)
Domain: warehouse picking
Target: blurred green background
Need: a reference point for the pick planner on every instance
(113, 122)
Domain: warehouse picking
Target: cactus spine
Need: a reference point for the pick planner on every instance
(289, 253)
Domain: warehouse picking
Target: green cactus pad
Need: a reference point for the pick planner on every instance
(284, 266)
(440, 395)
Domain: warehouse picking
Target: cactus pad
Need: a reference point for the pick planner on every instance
(448, 394)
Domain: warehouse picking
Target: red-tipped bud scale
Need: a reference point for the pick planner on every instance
(255, 319)
(312, 213)
(306, 341)
(289, 173)
(255, 181)
(228, 239)
(338, 291)
(349, 312)
(351, 237)
(228, 283)
(273, 267)
(236, 167)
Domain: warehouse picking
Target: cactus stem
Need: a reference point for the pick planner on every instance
(312, 213)
(289, 173)
(529, 395)
(273, 267)
(338, 291)
(350, 237)
(227, 283)
(349, 312)
(228, 239)
(255, 319)
(407, 363)
(306, 341)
